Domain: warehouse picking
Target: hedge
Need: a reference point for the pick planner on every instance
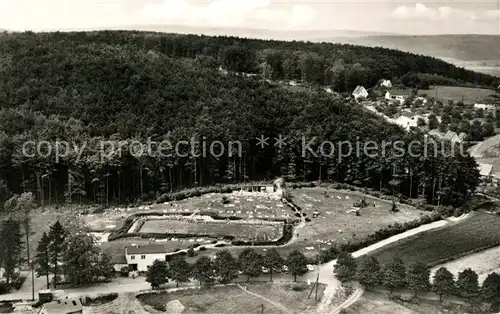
(285, 238)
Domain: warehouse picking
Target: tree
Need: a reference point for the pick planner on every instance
(369, 273)
(345, 270)
(444, 284)
(157, 274)
(490, 291)
(394, 274)
(421, 122)
(433, 122)
(105, 267)
(42, 258)
(225, 266)
(57, 236)
(467, 284)
(179, 270)
(250, 263)
(418, 278)
(273, 261)
(203, 271)
(297, 264)
(82, 262)
(10, 246)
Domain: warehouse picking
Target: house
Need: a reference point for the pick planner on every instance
(452, 137)
(484, 107)
(485, 170)
(140, 257)
(62, 306)
(328, 90)
(462, 136)
(386, 83)
(397, 95)
(360, 93)
(435, 133)
(119, 262)
(293, 83)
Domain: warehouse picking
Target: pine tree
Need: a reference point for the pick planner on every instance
(57, 236)
(443, 284)
(369, 273)
(10, 246)
(418, 278)
(179, 270)
(157, 274)
(394, 274)
(42, 258)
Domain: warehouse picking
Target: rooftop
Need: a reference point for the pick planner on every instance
(64, 306)
(485, 169)
(358, 89)
(399, 92)
(147, 249)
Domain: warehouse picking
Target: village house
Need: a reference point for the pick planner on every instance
(360, 93)
(397, 95)
(62, 306)
(140, 257)
(485, 107)
(386, 83)
(448, 136)
(485, 170)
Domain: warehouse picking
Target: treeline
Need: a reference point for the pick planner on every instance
(224, 267)
(69, 257)
(396, 275)
(85, 88)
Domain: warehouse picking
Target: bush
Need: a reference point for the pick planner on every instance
(18, 282)
(202, 248)
(102, 299)
(220, 245)
(225, 200)
(458, 212)
(4, 288)
(191, 253)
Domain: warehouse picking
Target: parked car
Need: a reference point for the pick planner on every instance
(265, 270)
(310, 267)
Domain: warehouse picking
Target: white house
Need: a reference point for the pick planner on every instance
(139, 257)
(485, 170)
(386, 83)
(62, 306)
(485, 107)
(360, 93)
(398, 95)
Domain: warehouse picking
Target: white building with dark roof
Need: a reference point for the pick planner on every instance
(360, 93)
(140, 257)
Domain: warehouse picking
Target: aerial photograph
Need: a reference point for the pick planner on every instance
(250, 157)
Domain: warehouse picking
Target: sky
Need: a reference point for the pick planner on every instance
(407, 17)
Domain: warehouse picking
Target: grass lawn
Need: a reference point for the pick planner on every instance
(335, 225)
(455, 93)
(219, 300)
(291, 295)
(439, 245)
(241, 204)
(373, 302)
(241, 231)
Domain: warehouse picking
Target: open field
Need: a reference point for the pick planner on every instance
(477, 233)
(374, 302)
(258, 230)
(455, 93)
(230, 299)
(483, 263)
(335, 225)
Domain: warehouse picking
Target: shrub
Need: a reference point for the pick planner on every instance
(102, 299)
(202, 248)
(458, 212)
(190, 252)
(225, 200)
(4, 288)
(220, 245)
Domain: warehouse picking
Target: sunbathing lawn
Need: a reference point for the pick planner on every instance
(378, 303)
(335, 225)
(219, 300)
(241, 231)
(437, 246)
(470, 95)
(291, 295)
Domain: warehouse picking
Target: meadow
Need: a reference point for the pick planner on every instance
(468, 95)
(437, 246)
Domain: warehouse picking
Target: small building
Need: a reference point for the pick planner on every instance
(62, 306)
(119, 262)
(435, 133)
(452, 137)
(485, 107)
(398, 95)
(485, 170)
(360, 93)
(386, 83)
(328, 90)
(293, 83)
(140, 257)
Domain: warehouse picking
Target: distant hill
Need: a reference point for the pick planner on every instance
(460, 47)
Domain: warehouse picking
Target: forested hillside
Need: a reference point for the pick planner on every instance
(123, 86)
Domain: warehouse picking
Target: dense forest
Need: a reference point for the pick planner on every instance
(121, 87)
